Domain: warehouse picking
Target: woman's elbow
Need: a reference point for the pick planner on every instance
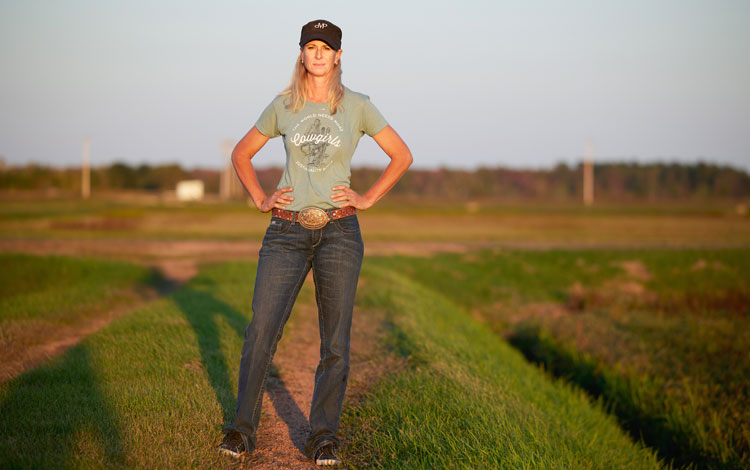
(406, 160)
(238, 157)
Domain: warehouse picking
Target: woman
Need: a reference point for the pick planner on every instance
(313, 226)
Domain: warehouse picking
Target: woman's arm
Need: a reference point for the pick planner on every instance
(401, 159)
(243, 152)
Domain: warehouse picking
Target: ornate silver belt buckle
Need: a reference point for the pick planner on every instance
(312, 218)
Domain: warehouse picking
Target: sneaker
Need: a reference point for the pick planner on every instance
(326, 455)
(235, 445)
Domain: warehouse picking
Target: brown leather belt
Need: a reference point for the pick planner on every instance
(312, 217)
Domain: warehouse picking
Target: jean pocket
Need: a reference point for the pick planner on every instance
(347, 224)
(278, 226)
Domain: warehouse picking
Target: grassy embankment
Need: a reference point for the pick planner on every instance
(153, 389)
(42, 296)
(662, 336)
(468, 400)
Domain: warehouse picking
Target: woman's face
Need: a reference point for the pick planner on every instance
(319, 58)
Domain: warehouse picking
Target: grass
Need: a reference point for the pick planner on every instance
(40, 295)
(154, 388)
(658, 334)
(661, 335)
(109, 217)
(468, 400)
(150, 391)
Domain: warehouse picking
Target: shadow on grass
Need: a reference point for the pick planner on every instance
(57, 416)
(671, 443)
(202, 311)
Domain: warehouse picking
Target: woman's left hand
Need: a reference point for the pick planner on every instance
(346, 197)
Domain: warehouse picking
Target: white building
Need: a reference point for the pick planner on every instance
(190, 190)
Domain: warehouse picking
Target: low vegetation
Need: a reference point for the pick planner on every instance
(656, 335)
(468, 400)
(154, 388)
(474, 224)
(661, 335)
(43, 296)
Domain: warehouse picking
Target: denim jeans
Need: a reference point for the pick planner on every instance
(288, 253)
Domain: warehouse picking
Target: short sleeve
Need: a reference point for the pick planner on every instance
(372, 121)
(267, 123)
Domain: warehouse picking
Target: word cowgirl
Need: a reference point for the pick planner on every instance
(299, 139)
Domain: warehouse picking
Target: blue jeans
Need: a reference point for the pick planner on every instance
(289, 251)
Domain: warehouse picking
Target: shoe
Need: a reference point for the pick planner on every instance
(235, 445)
(326, 455)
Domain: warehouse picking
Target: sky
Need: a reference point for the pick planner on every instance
(520, 84)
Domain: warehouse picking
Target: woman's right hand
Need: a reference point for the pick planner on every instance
(279, 199)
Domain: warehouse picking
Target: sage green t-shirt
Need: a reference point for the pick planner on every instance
(319, 146)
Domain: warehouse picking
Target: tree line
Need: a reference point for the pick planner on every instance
(612, 181)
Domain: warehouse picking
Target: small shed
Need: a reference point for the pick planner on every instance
(189, 190)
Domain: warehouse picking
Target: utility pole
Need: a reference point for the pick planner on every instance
(86, 169)
(225, 177)
(588, 174)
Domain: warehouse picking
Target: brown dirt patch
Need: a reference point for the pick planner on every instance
(199, 250)
(612, 293)
(702, 264)
(284, 423)
(95, 223)
(538, 312)
(636, 270)
(138, 250)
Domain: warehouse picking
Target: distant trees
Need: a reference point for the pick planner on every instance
(613, 181)
(144, 177)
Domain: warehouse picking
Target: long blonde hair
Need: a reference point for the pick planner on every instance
(297, 89)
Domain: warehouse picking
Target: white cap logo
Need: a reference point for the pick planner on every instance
(321, 25)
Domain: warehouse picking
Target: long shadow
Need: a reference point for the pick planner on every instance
(672, 444)
(203, 310)
(57, 416)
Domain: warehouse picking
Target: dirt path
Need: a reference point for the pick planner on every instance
(198, 250)
(286, 403)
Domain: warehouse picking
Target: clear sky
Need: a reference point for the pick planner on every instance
(471, 83)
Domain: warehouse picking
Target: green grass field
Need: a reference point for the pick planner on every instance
(661, 335)
(153, 389)
(638, 316)
(41, 295)
(468, 400)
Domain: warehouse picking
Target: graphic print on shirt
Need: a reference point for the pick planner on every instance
(314, 142)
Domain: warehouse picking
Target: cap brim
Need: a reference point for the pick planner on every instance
(314, 37)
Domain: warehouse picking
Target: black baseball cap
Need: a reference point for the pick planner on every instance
(322, 30)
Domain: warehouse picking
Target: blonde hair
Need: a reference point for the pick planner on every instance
(297, 89)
